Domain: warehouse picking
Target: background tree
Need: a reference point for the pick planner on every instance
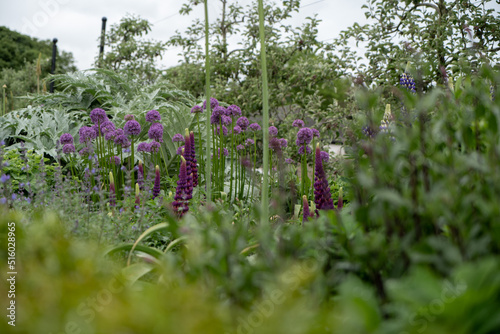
(453, 35)
(19, 55)
(129, 51)
(302, 70)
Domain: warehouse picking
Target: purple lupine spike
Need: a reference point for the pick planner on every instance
(112, 193)
(189, 164)
(322, 194)
(305, 209)
(156, 187)
(194, 162)
(408, 82)
(180, 203)
(140, 176)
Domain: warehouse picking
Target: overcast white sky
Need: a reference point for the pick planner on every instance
(77, 23)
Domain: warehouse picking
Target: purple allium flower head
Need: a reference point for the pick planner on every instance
(213, 103)
(96, 129)
(315, 132)
(225, 152)
(273, 131)
(153, 116)
(304, 136)
(107, 127)
(156, 187)
(119, 132)
(308, 150)
(129, 117)
(180, 149)
(240, 147)
(255, 127)
(84, 151)
(114, 160)
(233, 110)
(218, 131)
(249, 142)
(154, 146)
(132, 128)
(98, 116)
(4, 178)
(243, 123)
(181, 204)
(68, 148)
(178, 138)
(86, 134)
(217, 114)
(196, 109)
(298, 123)
(274, 144)
(156, 132)
(66, 138)
(289, 161)
(143, 147)
(245, 162)
(408, 82)
(122, 140)
(284, 142)
(322, 194)
(324, 156)
(236, 130)
(226, 119)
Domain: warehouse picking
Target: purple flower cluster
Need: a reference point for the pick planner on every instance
(255, 127)
(153, 116)
(249, 142)
(180, 150)
(408, 82)
(218, 131)
(154, 147)
(243, 123)
(196, 109)
(236, 130)
(226, 119)
(233, 110)
(273, 131)
(217, 114)
(284, 142)
(114, 160)
(156, 187)
(86, 134)
(181, 203)
(213, 103)
(68, 148)
(123, 141)
(194, 161)
(143, 147)
(298, 123)
(304, 136)
(308, 150)
(129, 117)
(240, 147)
(66, 138)
(98, 116)
(107, 127)
(322, 194)
(324, 156)
(289, 161)
(156, 132)
(306, 213)
(315, 132)
(275, 144)
(178, 138)
(132, 128)
(189, 165)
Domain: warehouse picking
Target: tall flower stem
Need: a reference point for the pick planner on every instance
(199, 142)
(265, 117)
(208, 170)
(313, 171)
(232, 156)
(254, 160)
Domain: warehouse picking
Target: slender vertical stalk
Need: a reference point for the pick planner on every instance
(265, 118)
(199, 143)
(208, 166)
